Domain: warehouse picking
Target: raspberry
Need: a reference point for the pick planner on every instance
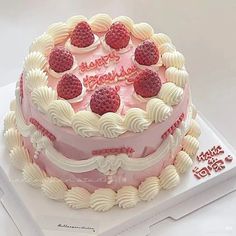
(117, 37)
(105, 100)
(146, 53)
(82, 36)
(147, 83)
(69, 86)
(60, 59)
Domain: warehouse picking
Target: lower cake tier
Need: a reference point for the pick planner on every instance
(114, 182)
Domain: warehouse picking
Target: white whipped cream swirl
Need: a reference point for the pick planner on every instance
(136, 120)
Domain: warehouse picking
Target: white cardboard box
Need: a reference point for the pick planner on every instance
(36, 215)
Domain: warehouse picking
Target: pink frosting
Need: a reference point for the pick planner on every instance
(93, 180)
(74, 146)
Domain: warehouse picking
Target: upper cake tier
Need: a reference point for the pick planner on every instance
(113, 81)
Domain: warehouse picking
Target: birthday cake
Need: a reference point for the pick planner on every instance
(103, 114)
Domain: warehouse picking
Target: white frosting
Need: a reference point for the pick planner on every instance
(34, 60)
(142, 31)
(35, 138)
(19, 157)
(183, 162)
(190, 145)
(166, 47)
(33, 175)
(43, 44)
(160, 39)
(100, 22)
(171, 94)
(42, 97)
(74, 20)
(77, 198)
(176, 76)
(102, 199)
(136, 120)
(194, 130)
(78, 50)
(128, 22)
(36, 78)
(149, 188)
(10, 120)
(173, 59)
(111, 125)
(85, 123)
(60, 112)
(53, 188)
(12, 138)
(157, 110)
(59, 32)
(194, 111)
(13, 105)
(127, 197)
(169, 177)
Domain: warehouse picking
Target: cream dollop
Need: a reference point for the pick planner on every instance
(171, 94)
(136, 120)
(36, 78)
(169, 177)
(149, 188)
(160, 39)
(190, 145)
(33, 175)
(100, 22)
(173, 59)
(111, 125)
(177, 76)
(102, 199)
(53, 188)
(166, 47)
(13, 105)
(12, 138)
(77, 198)
(59, 32)
(128, 22)
(42, 97)
(10, 120)
(43, 44)
(74, 20)
(60, 112)
(85, 123)
(34, 60)
(19, 157)
(127, 197)
(194, 129)
(157, 110)
(183, 162)
(142, 31)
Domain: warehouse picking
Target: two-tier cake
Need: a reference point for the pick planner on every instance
(103, 114)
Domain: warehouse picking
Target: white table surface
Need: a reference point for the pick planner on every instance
(203, 30)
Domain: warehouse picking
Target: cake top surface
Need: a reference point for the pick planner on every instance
(104, 77)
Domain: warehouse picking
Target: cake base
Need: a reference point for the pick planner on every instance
(36, 215)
